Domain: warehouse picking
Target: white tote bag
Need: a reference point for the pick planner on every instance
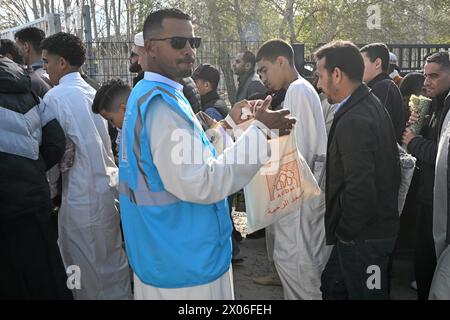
(280, 186)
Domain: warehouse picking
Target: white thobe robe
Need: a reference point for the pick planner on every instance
(300, 252)
(206, 181)
(88, 223)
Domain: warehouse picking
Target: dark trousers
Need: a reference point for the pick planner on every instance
(358, 270)
(425, 254)
(31, 266)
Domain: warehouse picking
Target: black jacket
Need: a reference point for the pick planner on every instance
(191, 93)
(390, 97)
(425, 148)
(23, 183)
(363, 172)
(248, 85)
(213, 100)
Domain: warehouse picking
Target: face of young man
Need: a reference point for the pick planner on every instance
(55, 65)
(116, 117)
(271, 74)
(171, 62)
(203, 86)
(325, 82)
(437, 79)
(371, 69)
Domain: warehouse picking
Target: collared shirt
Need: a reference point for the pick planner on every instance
(152, 76)
(340, 104)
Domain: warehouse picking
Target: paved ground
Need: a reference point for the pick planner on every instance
(255, 264)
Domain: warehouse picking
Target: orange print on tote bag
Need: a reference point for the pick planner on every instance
(280, 186)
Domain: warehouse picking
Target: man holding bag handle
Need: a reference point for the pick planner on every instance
(173, 192)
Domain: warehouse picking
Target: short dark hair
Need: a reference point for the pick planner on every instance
(441, 58)
(273, 49)
(8, 46)
(343, 55)
(154, 20)
(106, 94)
(375, 51)
(249, 57)
(32, 35)
(66, 45)
(208, 72)
(412, 83)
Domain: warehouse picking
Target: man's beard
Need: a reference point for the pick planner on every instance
(135, 67)
(187, 72)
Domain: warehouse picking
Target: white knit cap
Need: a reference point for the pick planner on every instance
(392, 58)
(139, 39)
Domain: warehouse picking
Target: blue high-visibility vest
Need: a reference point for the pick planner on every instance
(170, 243)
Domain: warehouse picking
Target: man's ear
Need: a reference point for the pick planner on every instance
(337, 75)
(149, 47)
(63, 63)
(378, 63)
(123, 106)
(281, 61)
(27, 47)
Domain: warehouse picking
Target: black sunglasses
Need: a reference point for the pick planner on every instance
(180, 42)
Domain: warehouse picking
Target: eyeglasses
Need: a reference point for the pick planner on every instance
(180, 42)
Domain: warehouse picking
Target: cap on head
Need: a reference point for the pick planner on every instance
(139, 39)
(392, 58)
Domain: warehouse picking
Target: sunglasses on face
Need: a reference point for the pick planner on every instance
(180, 42)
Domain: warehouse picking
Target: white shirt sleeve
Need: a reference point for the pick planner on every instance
(310, 130)
(188, 170)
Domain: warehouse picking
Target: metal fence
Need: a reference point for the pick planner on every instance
(110, 59)
(107, 60)
(50, 23)
(411, 57)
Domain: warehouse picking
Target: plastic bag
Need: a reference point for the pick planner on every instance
(407, 166)
(280, 186)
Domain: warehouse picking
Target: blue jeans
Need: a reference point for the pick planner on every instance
(358, 270)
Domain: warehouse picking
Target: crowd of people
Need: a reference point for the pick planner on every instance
(92, 177)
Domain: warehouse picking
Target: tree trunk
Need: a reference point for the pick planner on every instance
(119, 7)
(47, 6)
(42, 7)
(35, 10)
(224, 55)
(108, 22)
(240, 30)
(288, 20)
(93, 18)
(67, 14)
(114, 14)
(128, 20)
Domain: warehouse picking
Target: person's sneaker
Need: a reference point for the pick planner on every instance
(269, 280)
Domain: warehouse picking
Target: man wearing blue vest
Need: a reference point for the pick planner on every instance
(173, 195)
